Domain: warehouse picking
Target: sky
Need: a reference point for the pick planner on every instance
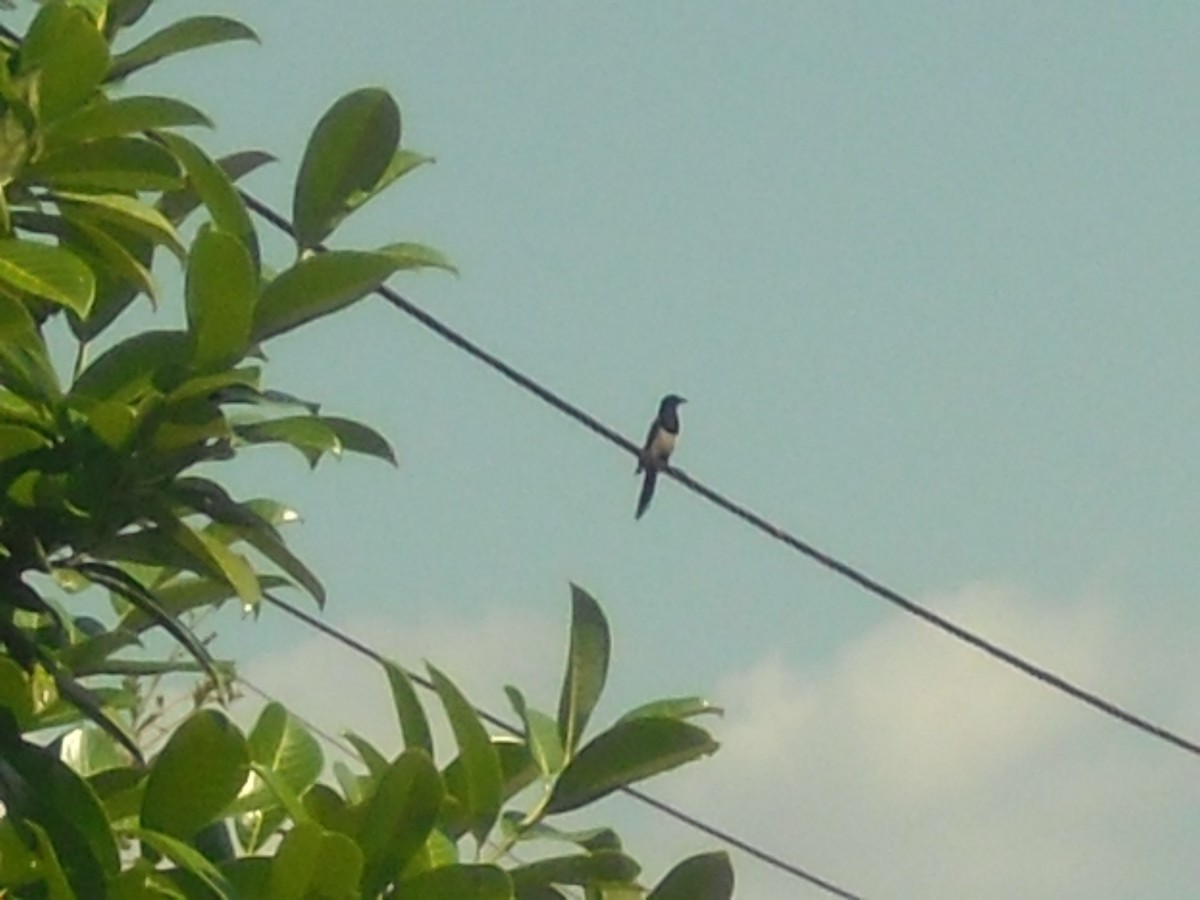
(926, 273)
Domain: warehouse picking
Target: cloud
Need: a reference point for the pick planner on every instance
(914, 766)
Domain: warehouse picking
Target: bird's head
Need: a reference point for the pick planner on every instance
(670, 402)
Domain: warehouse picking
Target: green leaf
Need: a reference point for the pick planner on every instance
(517, 772)
(176, 205)
(221, 289)
(115, 265)
(457, 882)
(197, 775)
(349, 151)
(541, 734)
(398, 818)
(625, 753)
(126, 115)
(413, 723)
(187, 858)
(580, 869)
(360, 438)
(403, 162)
(216, 190)
(375, 761)
(313, 862)
(708, 876)
(69, 55)
(228, 565)
(178, 37)
(49, 272)
(126, 370)
(673, 708)
(25, 367)
(125, 212)
(126, 586)
(483, 781)
(308, 434)
(39, 788)
(591, 839)
(587, 668)
(317, 286)
(280, 745)
(109, 164)
(418, 256)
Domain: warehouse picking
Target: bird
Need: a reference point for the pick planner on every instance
(664, 432)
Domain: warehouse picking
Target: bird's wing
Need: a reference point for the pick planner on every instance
(646, 446)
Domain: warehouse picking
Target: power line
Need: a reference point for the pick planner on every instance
(662, 806)
(756, 521)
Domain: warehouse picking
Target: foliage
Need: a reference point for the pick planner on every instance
(107, 481)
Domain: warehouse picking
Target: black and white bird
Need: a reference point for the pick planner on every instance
(664, 432)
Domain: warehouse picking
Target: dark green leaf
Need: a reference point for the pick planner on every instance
(482, 778)
(349, 151)
(49, 272)
(580, 869)
(308, 434)
(413, 724)
(591, 839)
(39, 788)
(625, 753)
(187, 858)
(375, 761)
(25, 367)
(125, 212)
(125, 115)
(317, 286)
(457, 882)
(178, 37)
(197, 775)
(360, 438)
(109, 164)
(126, 370)
(587, 668)
(708, 876)
(398, 818)
(221, 290)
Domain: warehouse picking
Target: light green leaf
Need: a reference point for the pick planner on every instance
(418, 256)
(216, 190)
(482, 778)
(49, 272)
(541, 734)
(413, 723)
(178, 37)
(125, 115)
(673, 708)
(221, 290)
(186, 857)
(196, 777)
(317, 286)
(376, 762)
(625, 753)
(398, 818)
(68, 53)
(587, 668)
(176, 205)
(312, 862)
(308, 434)
(350, 149)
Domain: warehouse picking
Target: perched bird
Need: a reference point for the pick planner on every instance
(664, 432)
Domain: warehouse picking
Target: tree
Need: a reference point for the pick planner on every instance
(101, 491)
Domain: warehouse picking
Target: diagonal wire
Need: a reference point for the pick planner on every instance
(662, 806)
(843, 569)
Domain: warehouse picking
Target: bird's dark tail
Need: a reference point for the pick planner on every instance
(647, 491)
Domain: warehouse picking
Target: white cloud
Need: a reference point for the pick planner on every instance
(914, 766)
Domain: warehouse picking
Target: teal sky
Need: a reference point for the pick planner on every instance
(927, 273)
